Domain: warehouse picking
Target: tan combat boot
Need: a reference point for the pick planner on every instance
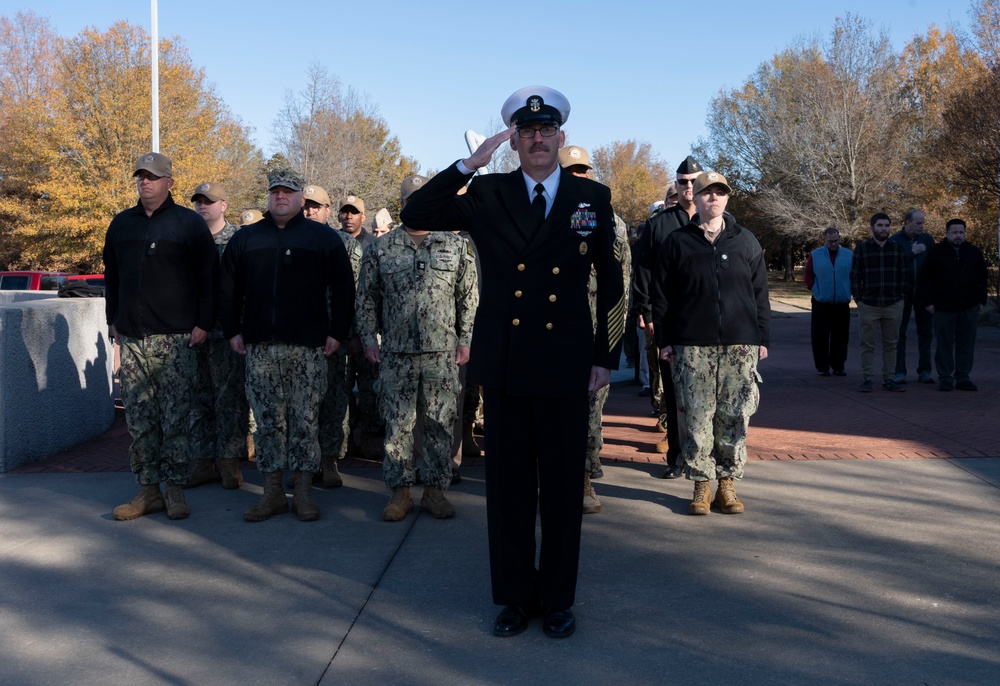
(177, 508)
(591, 505)
(400, 504)
(701, 503)
(146, 501)
(271, 503)
(661, 423)
(203, 472)
(469, 446)
(232, 477)
(725, 497)
(662, 446)
(434, 502)
(331, 475)
(251, 449)
(302, 504)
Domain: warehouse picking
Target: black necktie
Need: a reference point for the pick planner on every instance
(538, 204)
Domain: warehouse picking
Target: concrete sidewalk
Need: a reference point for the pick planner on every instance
(840, 572)
(869, 554)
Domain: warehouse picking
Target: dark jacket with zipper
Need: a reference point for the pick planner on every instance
(160, 272)
(707, 293)
(292, 285)
(953, 280)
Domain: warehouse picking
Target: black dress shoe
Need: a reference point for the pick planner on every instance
(511, 621)
(825, 373)
(559, 624)
(674, 471)
(839, 372)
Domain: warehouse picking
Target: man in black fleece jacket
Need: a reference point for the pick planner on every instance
(161, 271)
(287, 303)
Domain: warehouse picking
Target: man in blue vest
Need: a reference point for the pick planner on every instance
(828, 276)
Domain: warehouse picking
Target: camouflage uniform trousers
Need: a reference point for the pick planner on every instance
(219, 409)
(595, 436)
(365, 413)
(333, 411)
(285, 386)
(424, 383)
(157, 381)
(716, 388)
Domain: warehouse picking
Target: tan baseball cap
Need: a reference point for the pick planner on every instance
(212, 191)
(410, 185)
(352, 201)
(250, 217)
(154, 163)
(706, 179)
(573, 155)
(382, 220)
(317, 194)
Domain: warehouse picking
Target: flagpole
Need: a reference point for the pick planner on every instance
(155, 61)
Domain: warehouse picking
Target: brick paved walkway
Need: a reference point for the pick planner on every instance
(802, 416)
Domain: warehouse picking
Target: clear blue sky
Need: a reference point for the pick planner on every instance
(643, 70)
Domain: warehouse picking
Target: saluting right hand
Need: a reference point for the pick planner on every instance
(484, 153)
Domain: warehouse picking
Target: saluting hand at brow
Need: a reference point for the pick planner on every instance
(484, 153)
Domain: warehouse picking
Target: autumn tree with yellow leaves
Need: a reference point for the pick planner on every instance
(74, 117)
(635, 174)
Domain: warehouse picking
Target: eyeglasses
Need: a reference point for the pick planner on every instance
(529, 131)
(202, 200)
(147, 176)
(685, 182)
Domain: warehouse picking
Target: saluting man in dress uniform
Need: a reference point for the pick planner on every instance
(538, 231)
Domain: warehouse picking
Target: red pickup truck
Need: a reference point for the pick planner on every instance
(32, 281)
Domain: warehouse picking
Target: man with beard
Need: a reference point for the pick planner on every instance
(880, 278)
(952, 288)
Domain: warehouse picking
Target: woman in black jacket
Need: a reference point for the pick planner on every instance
(712, 324)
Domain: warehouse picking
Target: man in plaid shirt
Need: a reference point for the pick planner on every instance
(880, 279)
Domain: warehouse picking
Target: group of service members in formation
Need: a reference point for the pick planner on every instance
(267, 363)
(268, 327)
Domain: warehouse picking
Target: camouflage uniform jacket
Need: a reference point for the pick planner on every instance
(420, 298)
(354, 254)
(221, 240)
(623, 251)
